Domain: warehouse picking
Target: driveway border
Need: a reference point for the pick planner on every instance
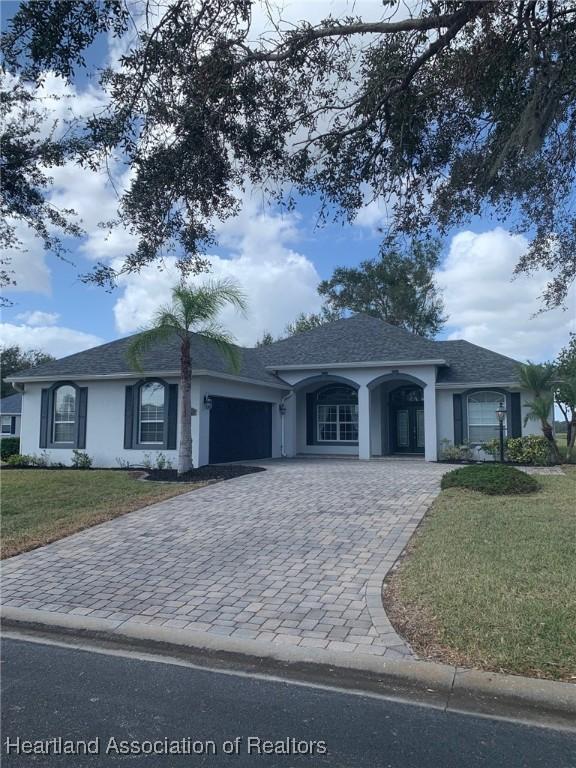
(446, 687)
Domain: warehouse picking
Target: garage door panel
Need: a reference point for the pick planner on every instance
(240, 430)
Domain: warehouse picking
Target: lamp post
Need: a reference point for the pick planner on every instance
(501, 416)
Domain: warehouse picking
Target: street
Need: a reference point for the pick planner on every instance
(57, 698)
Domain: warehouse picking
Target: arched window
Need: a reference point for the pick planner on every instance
(337, 414)
(64, 414)
(151, 413)
(482, 420)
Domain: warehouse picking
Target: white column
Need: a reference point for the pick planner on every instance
(363, 422)
(430, 437)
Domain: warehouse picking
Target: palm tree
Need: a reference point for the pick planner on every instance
(193, 310)
(539, 409)
(537, 377)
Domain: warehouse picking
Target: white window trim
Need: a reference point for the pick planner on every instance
(56, 420)
(337, 439)
(500, 398)
(9, 425)
(141, 421)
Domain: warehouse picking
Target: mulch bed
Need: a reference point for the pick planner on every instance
(202, 474)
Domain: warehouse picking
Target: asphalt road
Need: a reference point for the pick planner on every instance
(81, 695)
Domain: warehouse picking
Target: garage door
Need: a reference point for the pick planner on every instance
(240, 430)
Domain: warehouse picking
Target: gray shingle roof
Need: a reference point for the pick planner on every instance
(11, 405)
(109, 359)
(356, 339)
(470, 363)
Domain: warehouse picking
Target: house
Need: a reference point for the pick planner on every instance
(355, 387)
(10, 410)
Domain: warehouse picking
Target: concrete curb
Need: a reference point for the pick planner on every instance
(452, 689)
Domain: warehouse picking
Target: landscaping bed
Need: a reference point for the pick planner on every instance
(43, 506)
(489, 581)
(209, 472)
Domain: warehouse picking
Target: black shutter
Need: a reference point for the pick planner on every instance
(458, 426)
(172, 426)
(310, 398)
(13, 425)
(82, 409)
(129, 417)
(515, 415)
(44, 418)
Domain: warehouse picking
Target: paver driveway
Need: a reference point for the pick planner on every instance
(292, 555)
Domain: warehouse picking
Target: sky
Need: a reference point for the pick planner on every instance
(278, 258)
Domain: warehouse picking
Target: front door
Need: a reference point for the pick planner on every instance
(407, 420)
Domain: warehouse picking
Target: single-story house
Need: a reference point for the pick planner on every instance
(354, 387)
(10, 410)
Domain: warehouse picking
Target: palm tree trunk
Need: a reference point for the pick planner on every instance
(548, 433)
(185, 446)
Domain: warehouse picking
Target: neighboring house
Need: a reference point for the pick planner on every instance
(10, 410)
(357, 387)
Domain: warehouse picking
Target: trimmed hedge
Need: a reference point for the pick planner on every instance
(531, 450)
(9, 446)
(492, 479)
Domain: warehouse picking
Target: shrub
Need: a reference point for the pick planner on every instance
(9, 446)
(493, 479)
(21, 460)
(493, 448)
(81, 460)
(449, 452)
(530, 449)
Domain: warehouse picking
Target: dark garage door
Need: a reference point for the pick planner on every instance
(240, 430)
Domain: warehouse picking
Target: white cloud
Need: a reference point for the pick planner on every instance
(37, 317)
(279, 281)
(26, 263)
(489, 308)
(55, 340)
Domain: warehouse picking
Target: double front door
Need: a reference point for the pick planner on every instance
(407, 420)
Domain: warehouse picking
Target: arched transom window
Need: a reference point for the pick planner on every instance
(151, 413)
(482, 420)
(337, 414)
(64, 416)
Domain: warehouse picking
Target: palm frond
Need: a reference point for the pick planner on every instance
(537, 377)
(224, 342)
(539, 409)
(144, 341)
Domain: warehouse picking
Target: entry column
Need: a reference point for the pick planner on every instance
(363, 422)
(430, 440)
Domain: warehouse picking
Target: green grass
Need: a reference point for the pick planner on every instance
(492, 478)
(490, 581)
(39, 506)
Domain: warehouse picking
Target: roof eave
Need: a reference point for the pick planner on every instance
(360, 364)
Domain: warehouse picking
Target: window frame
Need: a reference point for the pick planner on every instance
(137, 444)
(52, 393)
(155, 444)
(500, 397)
(324, 397)
(10, 431)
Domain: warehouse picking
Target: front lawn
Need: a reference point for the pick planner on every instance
(490, 581)
(39, 506)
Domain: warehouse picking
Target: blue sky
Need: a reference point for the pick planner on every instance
(278, 259)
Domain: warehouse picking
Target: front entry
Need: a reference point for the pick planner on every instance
(407, 419)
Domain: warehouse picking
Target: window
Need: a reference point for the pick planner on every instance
(6, 425)
(151, 413)
(64, 415)
(337, 415)
(482, 420)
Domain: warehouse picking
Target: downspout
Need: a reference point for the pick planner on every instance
(282, 407)
(18, 387)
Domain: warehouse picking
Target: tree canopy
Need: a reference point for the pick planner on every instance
(14, 359)
(397, 287)
(442, 113)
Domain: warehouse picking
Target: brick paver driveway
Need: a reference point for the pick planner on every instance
(292, 555)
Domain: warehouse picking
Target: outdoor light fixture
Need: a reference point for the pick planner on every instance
(501, 415)
(207, 402)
